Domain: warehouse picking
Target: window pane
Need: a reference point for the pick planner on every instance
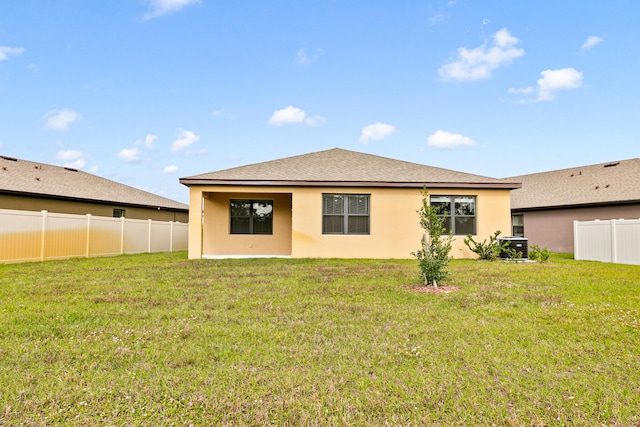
(517, 219)
(447, 224)
(262, 225)
(240, 208)
(442, 204)
(465, 225)
(333, 224)
(333, 204)
(518, 225)
(358, 205)
(251, 217)
(345, 213)
(358, 225)
(465, 206)
(239, 225)
(518, 231)
(263, 208)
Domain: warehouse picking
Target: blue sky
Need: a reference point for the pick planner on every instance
(144, 92)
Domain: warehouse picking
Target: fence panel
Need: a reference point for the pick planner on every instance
(37, 236)
(160, 236)
(20, 236)
(105, 236)
(616, 241)
(65, 236)
(180, 237)
(136, 236)
(627, 238)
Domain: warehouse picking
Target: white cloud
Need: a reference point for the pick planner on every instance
(68, 155)
(449, 141)
(479, 63)
(163, 7)
(523, 91)
(376, 132)
(293, 115)
(60, 119)
(551, 82)
(304, 58)
(555, 80)
(71, 158)
(436, 18)
(591, 42)
(129, 155)
(77, 164)
(149, 140)
(170, 169)
(5, 51)
(314, 121)
(184, 139)
(287, 115)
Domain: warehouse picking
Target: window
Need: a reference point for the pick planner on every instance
(251, 217)
(459, 213)
(118, 213)
(345, 214)
(517, 225)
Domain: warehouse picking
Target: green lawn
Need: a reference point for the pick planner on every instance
(161, 340)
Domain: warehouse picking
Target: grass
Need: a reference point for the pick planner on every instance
(157, 339)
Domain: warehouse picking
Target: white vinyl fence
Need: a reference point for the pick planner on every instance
(616, 240)
(39, 236)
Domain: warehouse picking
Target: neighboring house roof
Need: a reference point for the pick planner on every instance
(603, 183)
(23, 177)
(338, 167)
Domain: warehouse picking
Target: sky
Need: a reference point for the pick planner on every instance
(144, 92)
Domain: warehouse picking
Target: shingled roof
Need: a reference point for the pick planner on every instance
(338, 167)
(599, 184)
(43, 180)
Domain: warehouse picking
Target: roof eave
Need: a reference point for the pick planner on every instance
(576, 206)
(277, 183)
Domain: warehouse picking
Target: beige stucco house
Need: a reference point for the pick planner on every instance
(33, 186)
(336, 203)
(548, 202)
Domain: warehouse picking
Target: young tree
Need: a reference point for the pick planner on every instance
(433, 257)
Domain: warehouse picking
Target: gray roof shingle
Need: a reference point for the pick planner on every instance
(603, 183)
(344, 167)
(39, 179)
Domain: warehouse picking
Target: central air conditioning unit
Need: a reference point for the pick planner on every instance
(519, 244)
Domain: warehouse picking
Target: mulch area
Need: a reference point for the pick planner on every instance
(421, 289)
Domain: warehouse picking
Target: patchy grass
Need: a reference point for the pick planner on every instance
(161, 340)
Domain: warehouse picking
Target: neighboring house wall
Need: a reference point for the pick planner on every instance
(553, 228)
(34, 203)
(297, 222)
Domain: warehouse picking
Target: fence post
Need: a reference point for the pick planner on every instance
(122, 220)
(88, 233)
(614, 249)
(170, 236)
(149, 241)
(44, 232)
(576, 241)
